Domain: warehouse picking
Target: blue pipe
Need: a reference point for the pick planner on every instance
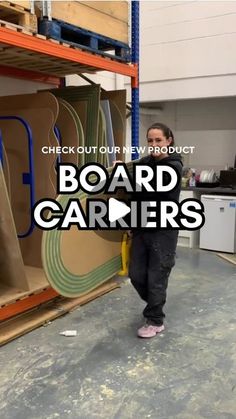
(1, 149)
(28, 178)
(57, 133)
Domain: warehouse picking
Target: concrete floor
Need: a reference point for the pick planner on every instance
(107, 372)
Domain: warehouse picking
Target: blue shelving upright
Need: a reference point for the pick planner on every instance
(135, 90)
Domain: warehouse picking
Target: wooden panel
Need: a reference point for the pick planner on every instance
(118, 124)
(19, 16)
(11, 264)
(6, 171)
(69, 271)
(117, 9)
(85, 101)
(67, 125)
(117, 100)
(37, 282)
(88, 18)
(35, 109)
(25, 4)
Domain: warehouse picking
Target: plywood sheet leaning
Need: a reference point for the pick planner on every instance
(117, 100)
(40, 111)
(101, 156)
(16, 145)
(109, 131)
(118, 97)
(12, 273)
(85, 100)
(9, 294)
(69, 133)
(78, 261)
(80, 156)
(6, 171)
(104, 133)
(118, 130)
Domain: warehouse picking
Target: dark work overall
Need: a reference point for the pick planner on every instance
(153, 254)
(151, 260)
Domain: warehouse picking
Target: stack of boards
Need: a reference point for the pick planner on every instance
(106, 18)
(74, 262)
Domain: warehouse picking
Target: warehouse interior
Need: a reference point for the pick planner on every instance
(99, 74)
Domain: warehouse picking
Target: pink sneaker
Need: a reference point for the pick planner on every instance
(149, 330)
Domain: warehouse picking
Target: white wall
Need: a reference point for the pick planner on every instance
(209, 125)
(108, 81)
(10, 86)
(187, 49)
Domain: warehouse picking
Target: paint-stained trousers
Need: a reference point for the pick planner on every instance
(152, 257)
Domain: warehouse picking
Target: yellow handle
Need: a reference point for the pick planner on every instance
(125, 249)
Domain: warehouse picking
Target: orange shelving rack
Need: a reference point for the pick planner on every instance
(35, 58)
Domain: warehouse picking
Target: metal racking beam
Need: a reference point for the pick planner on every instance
(46, 47)
(29, 75)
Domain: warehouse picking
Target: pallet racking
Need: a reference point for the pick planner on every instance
(19, 53)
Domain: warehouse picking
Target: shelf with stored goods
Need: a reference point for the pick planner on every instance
(33, 57)
(35, 53)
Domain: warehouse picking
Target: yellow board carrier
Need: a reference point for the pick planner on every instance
(125, 251)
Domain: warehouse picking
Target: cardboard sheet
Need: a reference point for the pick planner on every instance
(16, 144)
(80, 156)
(117, 100)
(12, 273)
(40, 110)
(76, 261)
(118, 130)
(85, 100)
(6, 171)
(118, 97)
(109, 131)
(101, 157)
(69, 132)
